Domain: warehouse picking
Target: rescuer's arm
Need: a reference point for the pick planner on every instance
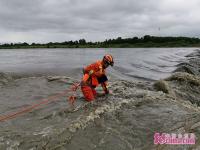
(86, 76)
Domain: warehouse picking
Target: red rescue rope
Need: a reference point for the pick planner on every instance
(44, 101)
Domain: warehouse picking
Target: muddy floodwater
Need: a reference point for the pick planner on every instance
(153, 90)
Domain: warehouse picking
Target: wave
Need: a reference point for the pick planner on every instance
(192, 64)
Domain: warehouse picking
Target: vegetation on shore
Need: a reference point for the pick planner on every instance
(146, 41)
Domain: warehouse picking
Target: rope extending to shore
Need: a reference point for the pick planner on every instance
(42, 102)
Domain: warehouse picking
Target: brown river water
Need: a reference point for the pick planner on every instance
(139, 106)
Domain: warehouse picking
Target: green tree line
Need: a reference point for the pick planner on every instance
(145, 41)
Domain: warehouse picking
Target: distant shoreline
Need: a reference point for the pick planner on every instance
(59, 47)
(144, 42)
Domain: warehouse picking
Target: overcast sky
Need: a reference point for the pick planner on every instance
(96, 20)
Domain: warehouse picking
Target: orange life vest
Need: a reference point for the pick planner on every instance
(93, 72)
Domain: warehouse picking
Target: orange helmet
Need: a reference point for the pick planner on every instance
(108, 59)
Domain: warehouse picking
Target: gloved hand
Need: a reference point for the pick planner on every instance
(107, 91)
(85, 78)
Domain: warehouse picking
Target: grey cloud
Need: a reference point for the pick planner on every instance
(51, 20)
